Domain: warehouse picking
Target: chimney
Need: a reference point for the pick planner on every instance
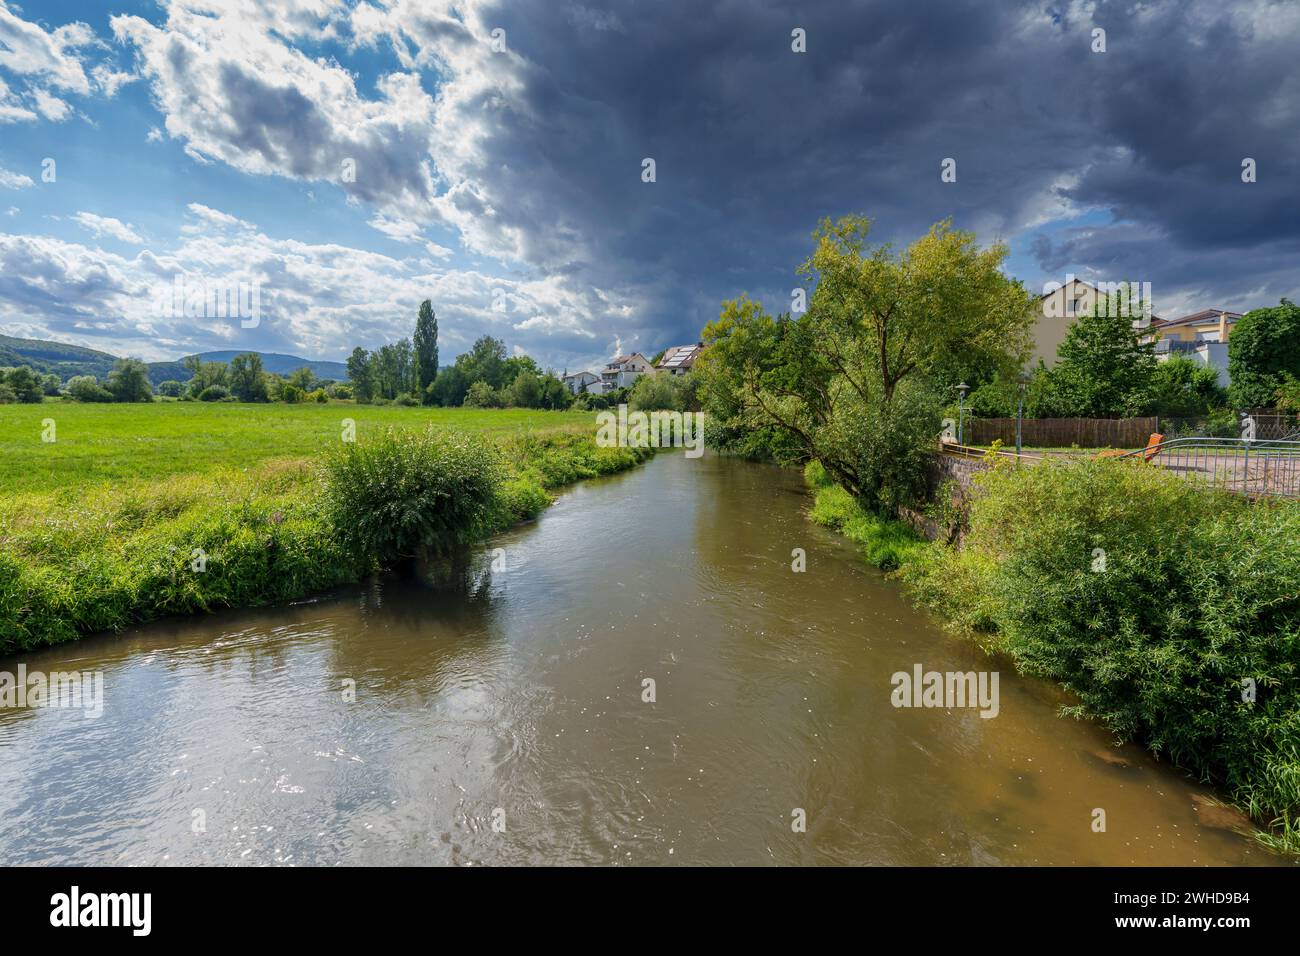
(1223, 327)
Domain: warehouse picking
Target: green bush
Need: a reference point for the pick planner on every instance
(129, 381)
(410, 494)
(1222, 423)
(587, 402)
(518, 499)
(26, 385)
(657, 392)
(214, 393)
(86, 388)
(889, 449)
(482, 395)
(1152, 600)
(1263, 349)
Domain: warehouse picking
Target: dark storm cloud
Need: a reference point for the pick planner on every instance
(754, 143)
(1190, 98)
(1189, 278)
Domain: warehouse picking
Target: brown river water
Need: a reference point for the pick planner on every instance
(498, 716)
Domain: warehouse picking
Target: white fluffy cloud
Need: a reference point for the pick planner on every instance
(48, 286)
(107, 226)
(50, 106)
(12, 109)
(232, 89)
(407, 231)
(46, 65)
(29, 50)
(12, 180)
(317, 299)
(110, 80)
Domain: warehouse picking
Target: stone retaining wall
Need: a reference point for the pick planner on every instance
(944, 468)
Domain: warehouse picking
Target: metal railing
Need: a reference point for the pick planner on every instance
(975, 451)
(1255, 468)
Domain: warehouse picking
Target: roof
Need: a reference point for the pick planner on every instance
(624, 359)
(1066, 284)
(1196, 318)
(680, 356)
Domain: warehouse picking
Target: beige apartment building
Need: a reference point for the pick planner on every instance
(1060, 306)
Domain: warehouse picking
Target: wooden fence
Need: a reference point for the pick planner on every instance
(1062, 432)
(1270, 425)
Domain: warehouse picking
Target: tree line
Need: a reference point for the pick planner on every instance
(404, 373)
(407, 373)
(127, 382)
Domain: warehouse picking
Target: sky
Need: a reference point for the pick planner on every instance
(349, 159)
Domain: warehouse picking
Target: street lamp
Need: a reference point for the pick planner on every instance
(962, 389)
(1022, 381)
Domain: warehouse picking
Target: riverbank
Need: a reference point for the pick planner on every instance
(84, 556)
(392, 722)
(1171, 612)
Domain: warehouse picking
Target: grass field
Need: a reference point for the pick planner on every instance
(101, 443)
(100, 528)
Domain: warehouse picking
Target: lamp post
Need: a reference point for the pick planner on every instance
(1022, 381)
(962, 389)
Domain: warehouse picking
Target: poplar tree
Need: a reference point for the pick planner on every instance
(426, 350)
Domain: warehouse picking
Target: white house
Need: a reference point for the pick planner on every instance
(577, 380)
(625, 370)
(679, 359)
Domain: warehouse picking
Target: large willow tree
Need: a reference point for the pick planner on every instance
(859, 379)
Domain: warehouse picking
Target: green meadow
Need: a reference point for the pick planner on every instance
(97, 443)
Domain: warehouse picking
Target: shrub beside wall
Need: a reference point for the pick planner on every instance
(1158, 603)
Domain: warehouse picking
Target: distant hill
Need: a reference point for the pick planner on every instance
(66, 361)
(278, 363)
(63, 360)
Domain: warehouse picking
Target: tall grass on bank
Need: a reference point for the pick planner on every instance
(886, 544)
(102, 557)
(1172, 612)
(409, 495)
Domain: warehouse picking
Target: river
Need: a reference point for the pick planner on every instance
(497, 715)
